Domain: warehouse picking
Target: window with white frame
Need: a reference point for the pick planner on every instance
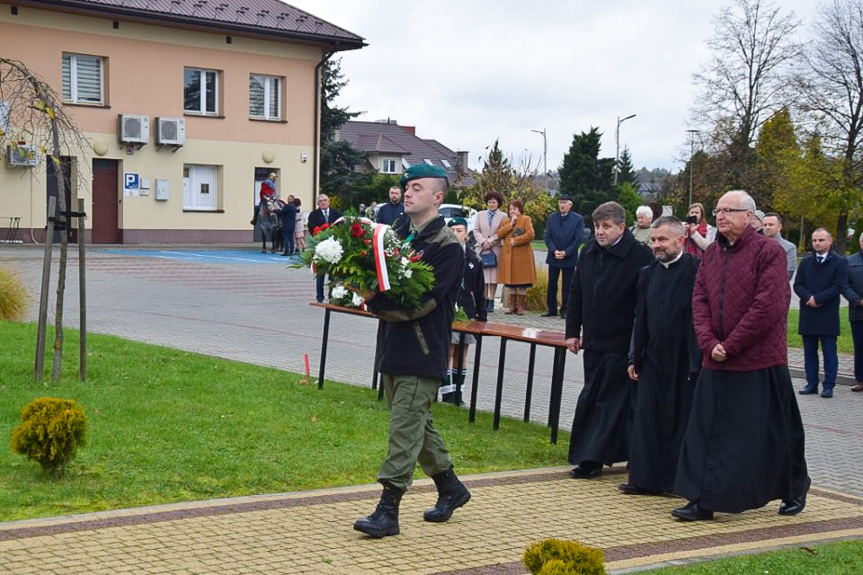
(265, 97)
(405, 164)
(389, 166)
(429, 162)
(83, 79)
(446, 164)
(201, 91)
(200, 188)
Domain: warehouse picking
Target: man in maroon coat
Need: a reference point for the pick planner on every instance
(744, 445)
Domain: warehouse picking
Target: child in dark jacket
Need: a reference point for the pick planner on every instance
(471, 299)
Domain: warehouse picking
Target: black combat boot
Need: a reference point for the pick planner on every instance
(452, 494)
(385, 520)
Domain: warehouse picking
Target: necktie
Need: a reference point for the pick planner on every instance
(326, 216)
(820, 259)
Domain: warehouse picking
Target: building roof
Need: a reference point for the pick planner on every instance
(271, 19)
(387, 137)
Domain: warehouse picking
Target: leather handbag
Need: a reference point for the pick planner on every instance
(489, 260)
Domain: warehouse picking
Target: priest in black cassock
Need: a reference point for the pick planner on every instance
(664, 360)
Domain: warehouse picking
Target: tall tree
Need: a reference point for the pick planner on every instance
(339, 160)
(833, 93)
(584, 175)
(746, 80)
(626, 173)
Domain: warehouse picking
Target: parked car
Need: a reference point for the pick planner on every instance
(450, 211)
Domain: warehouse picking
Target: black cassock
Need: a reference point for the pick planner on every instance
(667, 359)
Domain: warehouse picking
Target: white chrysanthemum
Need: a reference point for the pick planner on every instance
(357, 300)
(405, 262)
(339, 292)
(408, 273)
(329, 250)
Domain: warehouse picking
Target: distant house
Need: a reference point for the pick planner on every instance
(187, 106)
(393, 148)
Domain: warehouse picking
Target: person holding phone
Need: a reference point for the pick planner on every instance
(699, 234)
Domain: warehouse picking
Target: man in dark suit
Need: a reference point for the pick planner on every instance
(324, 214)
(820, 280)
(564, 230)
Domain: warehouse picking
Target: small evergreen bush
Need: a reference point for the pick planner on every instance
(14, 297)
(557, 557)
(50, 432)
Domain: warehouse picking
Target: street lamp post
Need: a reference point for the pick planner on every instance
(617, 145)
(544, 156)
(692, 134)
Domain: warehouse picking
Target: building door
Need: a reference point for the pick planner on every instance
(64, 170)
(106, 202)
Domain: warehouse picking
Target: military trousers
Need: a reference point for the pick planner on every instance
(412, 435)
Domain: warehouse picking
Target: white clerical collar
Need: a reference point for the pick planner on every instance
(675, 260)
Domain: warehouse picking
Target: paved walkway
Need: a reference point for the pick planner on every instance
(242, 305)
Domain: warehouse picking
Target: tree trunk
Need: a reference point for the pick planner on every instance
(59, 170)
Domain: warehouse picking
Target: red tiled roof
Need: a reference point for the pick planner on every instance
(271, 18)
(390, 138)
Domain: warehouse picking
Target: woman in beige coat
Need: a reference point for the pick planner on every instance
(486, 225)
(516, 267)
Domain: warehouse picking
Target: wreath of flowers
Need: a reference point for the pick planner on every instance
(357, 252)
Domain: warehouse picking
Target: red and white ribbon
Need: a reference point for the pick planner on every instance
(380, 257)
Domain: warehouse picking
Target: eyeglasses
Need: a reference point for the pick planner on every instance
(726, 211)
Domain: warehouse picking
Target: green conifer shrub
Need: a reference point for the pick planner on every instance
(558, 557)
(50, 432)
(14, 297)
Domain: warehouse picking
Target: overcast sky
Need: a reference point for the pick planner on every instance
(468, 72)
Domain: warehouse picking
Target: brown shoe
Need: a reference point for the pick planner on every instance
(858, 387)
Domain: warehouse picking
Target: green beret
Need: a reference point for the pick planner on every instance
(419, 171)
(457, 221)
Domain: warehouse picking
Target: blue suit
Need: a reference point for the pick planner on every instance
(561, 233)
(825, 282)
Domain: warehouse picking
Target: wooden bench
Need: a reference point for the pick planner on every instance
(479, 329)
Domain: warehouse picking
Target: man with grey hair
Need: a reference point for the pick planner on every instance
(641, 229)
(599, 318)
(664, 360)
(773, 229)
(744, 445)
(324, 214)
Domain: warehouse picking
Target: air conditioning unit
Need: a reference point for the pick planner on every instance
(170, 131)
(21, 156)
(133, 128)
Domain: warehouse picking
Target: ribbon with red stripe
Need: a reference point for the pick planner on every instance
(380, 256)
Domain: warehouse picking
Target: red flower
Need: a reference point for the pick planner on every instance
(357, 230)
(367, 241)
(324, 227)
(415, 258)
(316, 230)
(364, 253)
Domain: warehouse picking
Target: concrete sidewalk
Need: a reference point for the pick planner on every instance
(311, 532)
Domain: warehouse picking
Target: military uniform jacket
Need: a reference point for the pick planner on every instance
(416, 341)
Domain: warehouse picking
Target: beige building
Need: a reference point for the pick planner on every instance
(186, 106)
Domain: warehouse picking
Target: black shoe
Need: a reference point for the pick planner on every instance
(452, 494)
(827, 393)
(319, 299)
(448, 397)
(858, 387)
(809, 390)
(385, 520)
(563, 315)
(548, 314)
(796, 505)
(630, 489)
(579, 472)
(692, 512)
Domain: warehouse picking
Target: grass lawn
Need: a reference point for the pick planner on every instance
(842, 558)
(844, 344)
(167, 426)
